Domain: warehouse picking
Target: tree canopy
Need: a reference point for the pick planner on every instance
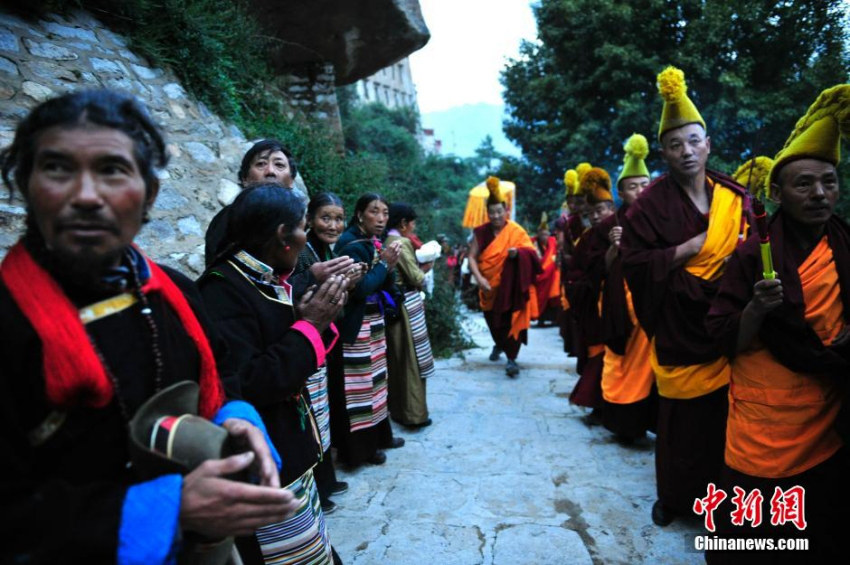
(752, 68)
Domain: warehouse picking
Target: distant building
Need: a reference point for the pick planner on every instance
(429, 142)
(394, 88)
(391, 86)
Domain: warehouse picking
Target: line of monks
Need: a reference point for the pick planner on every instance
(694, 317)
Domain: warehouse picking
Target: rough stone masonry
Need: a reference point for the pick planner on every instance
(40, 59)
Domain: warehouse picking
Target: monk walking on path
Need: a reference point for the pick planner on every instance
(503, 260)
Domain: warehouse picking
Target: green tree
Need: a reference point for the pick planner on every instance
(434, 185)
(752, 68)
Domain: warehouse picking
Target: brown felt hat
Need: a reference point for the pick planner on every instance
(167, 436)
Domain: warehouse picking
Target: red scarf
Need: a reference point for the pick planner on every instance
(73, 373)
(417, 243)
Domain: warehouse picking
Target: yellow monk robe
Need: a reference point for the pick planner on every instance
(781, 422)
(725, 228)
(628, 378)
(491, 261)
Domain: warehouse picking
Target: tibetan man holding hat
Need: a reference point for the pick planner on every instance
(676, 240)
(504, 262)
(787, 336)
(96, 339)
(584, 284)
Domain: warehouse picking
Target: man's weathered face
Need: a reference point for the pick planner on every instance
(631, 187)
(686, 150)
(86, 194)
(807, 189)
(600, 211)
(543, 235)
(269, 166)
(498, 215)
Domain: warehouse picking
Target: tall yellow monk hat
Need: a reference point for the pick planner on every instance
(818, 134)
(753, 175)
(637, 149)
(596, 186)
(571, 182)
(544, 222)
(495, 193)
(678, 109)
(581, 169)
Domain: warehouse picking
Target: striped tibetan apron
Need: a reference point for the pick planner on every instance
(302, 538)
(365, 368)
(317, 386)
(415, 307)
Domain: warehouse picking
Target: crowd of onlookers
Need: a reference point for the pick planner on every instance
(306, 332)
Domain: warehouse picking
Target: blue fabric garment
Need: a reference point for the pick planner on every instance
(245, 411)
(148, 534)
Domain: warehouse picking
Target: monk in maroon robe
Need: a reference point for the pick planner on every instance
(785, 325)
(676, 239)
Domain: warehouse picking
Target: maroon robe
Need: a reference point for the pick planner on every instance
(585, 276)
(517, 277)
(616, 326)
(670, 303)
(575, 227)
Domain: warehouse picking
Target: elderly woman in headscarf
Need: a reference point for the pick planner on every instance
(325, 223)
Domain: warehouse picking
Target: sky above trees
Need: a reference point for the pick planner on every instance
(470, 43)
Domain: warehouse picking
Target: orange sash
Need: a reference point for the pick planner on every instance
(781, 422)
(628, 378)
(724, 228)
(490, 264)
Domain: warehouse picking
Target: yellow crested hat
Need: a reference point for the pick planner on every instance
(818, 134)
(637, 149)
(581, 169)
(678, 109)
(544, 222)
(596, 186)
(495, 194)
(571, 182)
(753, 175)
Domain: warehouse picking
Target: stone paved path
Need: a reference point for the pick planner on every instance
(508, 474)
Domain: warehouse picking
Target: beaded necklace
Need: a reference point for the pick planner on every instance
(147, 314)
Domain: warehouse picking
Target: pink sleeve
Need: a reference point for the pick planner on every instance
(335, 331)
(309, 331)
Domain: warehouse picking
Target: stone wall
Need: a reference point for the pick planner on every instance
(310, 89)
(39, 59)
